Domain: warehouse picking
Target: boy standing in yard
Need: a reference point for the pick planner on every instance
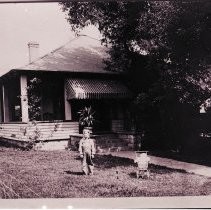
(87, 152)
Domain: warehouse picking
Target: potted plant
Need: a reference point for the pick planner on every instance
(86, 117)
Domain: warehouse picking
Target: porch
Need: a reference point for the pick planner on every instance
(59, 135)
(50, 112)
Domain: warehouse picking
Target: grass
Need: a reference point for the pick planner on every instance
(57, 174)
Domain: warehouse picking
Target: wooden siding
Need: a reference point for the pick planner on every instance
(45, 130)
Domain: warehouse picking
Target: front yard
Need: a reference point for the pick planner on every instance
(57, 174)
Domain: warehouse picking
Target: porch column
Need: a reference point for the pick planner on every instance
(67, 106)
(24, 99)
(5, 104)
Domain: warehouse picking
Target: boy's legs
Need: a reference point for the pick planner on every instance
(91, 168)
(90, 163)
(84, 164)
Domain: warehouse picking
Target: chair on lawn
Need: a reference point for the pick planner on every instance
(142, 160)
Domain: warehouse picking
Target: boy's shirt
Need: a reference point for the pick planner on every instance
(86, 146)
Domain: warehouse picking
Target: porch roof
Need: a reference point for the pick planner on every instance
(96, 89)
(82, 54)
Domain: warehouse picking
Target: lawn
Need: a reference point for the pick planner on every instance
(57, 174)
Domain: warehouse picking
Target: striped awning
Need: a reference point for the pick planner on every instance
(95, 89)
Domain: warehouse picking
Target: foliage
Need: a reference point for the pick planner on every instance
(163, 47)
(165, 41)
(34, 98)
(34, 134)
(86, 116)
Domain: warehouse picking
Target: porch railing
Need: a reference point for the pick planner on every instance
(43, 130)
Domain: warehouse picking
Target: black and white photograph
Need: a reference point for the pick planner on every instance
(108, 101)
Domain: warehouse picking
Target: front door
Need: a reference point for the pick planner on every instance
(102, 113)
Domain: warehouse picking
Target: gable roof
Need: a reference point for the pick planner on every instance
(81, 54)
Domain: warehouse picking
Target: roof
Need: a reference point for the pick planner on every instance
(81, 54)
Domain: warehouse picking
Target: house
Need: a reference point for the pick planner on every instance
(71, 77)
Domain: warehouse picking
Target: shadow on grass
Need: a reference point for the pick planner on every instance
(109, 161)
(144, 177)
(133, 175)
(74, 172)
(157, 170)
(164, 170)
(78, 158)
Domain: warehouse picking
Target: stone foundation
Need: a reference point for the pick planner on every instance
(53, 145)
(10, 142)
(108, 142)
(43, 145)
(129, 139)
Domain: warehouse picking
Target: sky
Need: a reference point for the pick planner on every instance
(44, 23)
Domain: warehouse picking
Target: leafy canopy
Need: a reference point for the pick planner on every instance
(162, 45)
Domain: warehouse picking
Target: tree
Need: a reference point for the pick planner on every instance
(163, 47)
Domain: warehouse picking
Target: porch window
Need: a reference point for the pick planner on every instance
(12, 100)
(52, 99)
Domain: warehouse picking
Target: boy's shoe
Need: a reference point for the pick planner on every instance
(92, 172)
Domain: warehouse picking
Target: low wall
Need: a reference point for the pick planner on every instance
(10, 142)
(53, 145)
(105, 142)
